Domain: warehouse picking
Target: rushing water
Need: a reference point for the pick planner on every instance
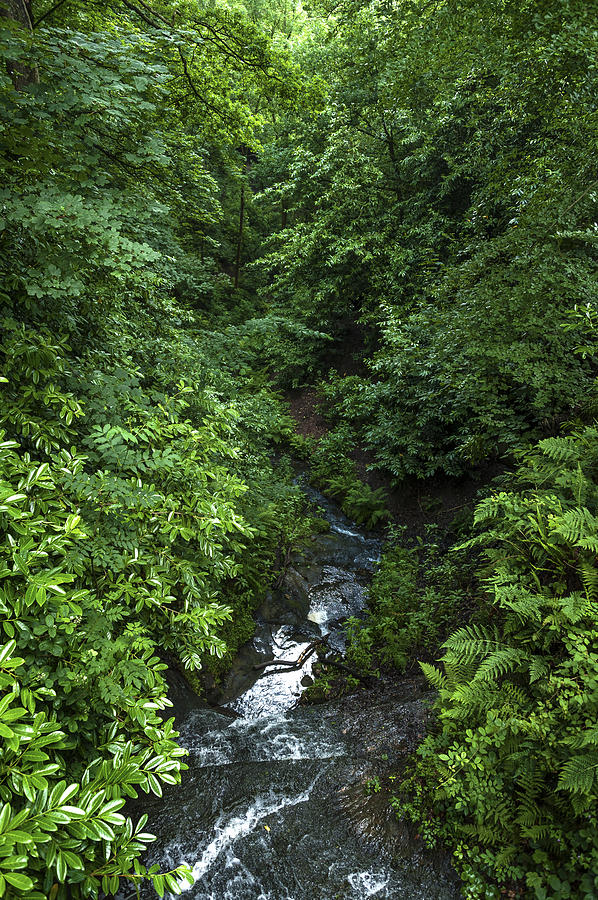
(257, 816)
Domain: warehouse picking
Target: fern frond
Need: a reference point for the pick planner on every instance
(525, 604)
(536, 832)
(473, 640)
(579, 773)
(434, 676)
(529, 812)
(499, 663)
(572, 608)
(538, 668)
(578, 527)
(516, 697)
(586, 738)
(482, 833)
(478, 694)
(588, 572)
(562, 449)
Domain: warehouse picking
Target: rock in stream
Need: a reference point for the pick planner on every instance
(275, 805)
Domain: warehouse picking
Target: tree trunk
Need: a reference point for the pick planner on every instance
(20, 11)
(237, 276)
(240, 236)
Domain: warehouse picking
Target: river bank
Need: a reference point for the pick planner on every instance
(297, 806)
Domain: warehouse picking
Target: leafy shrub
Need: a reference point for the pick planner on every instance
(124, 445)
(110, 558)
(80, 727)
(446, 199)
(416, 594)
(106, 560)
(511, 773)
(288, 350)
(335, 473)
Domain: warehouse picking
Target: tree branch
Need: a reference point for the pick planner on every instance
(297, 664)
(48, 12)
(195, 92)
(581, 196)
(141, 15)
(291, 665)
(220, 39)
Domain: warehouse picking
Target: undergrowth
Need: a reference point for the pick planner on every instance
(508, 777)
(417, 593)
(335, 474)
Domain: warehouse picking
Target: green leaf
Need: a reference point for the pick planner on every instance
(19, 881)
(7, 650)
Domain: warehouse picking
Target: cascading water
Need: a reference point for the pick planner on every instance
(258, 815)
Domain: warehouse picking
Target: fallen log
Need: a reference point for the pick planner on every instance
(287, 665)
(343, 667)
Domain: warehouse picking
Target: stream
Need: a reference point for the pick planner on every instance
(273, 806)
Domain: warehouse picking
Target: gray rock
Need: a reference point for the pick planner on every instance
(295, 591)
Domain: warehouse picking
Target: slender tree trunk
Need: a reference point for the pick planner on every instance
(241, 223)
(240, 236)
(20, 11)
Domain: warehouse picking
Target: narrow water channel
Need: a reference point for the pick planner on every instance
(258, 816)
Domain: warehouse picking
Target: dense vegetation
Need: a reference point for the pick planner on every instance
(204, 203)
(135, 471)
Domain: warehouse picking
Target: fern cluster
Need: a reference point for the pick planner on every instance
(333, 471)
(416, 594)
(513, 767)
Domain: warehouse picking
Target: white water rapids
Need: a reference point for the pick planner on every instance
(256, 817)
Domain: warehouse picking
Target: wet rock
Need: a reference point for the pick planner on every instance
(279, 608)
(332, 575)
(262, 644)
(181, 694)
(387, 721)
(306, 631)
(365, 806)
(242, 673)
(310, 572)
(295, 590)
(289, 604)
(273, 610)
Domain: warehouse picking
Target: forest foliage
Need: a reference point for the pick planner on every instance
(205, 202)
(445, 198)
(134, 475)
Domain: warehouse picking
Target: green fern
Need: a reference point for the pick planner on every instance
(500, 663)
(436, 678)
(539, 667)
(562, 450)
(517, 702)
(578, 527)
(589, 577)
(578, 774)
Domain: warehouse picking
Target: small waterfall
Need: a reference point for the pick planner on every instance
(258, 816)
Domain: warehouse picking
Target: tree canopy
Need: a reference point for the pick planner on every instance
(204, 204)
